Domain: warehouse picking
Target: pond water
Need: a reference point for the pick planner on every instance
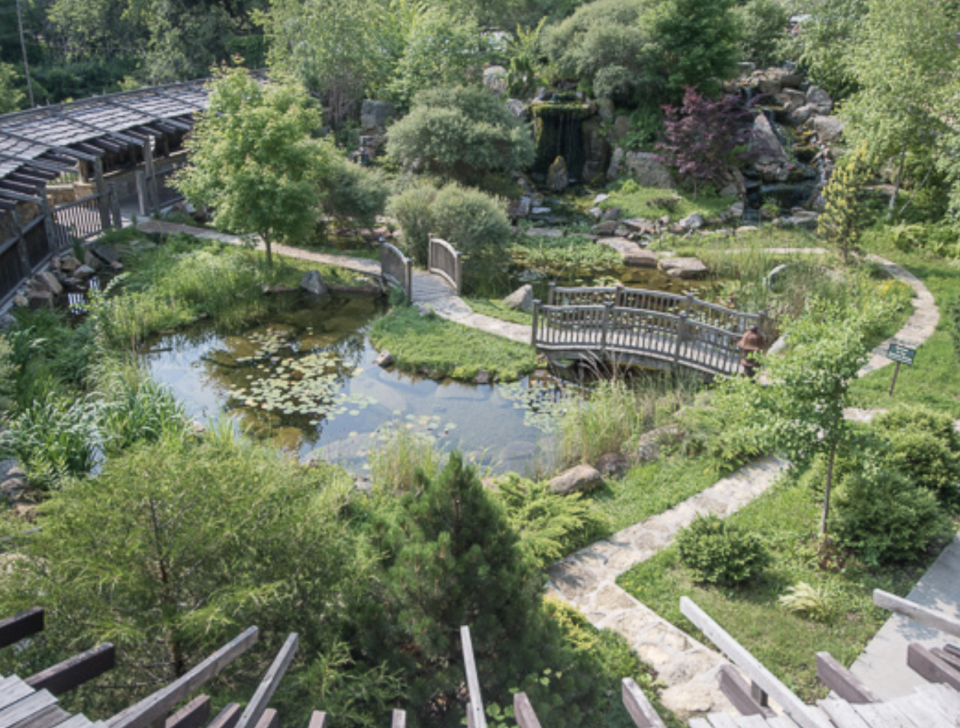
(306, 381)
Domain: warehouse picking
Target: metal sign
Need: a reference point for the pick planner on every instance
(901, 354)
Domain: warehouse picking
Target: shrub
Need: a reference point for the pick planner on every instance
(924, 446)
(412, 210)
(763, 25)
(472, 221)
(550, 526)
(885, 517)
(355, 192)
(460, 133)
(813, 602)
(53, 439)
(717, 551)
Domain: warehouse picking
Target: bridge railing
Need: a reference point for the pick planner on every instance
(607, 330)
(444, 260)
(396, 268)
(644, 300)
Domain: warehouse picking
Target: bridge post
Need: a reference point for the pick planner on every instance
(681, 334)
(536, 317)
(761, 320)
(607, 308)
(689, 304)
(551, 288)
(618, 295)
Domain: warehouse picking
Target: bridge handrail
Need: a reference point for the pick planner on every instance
(396, 268)
(675, 338)
(446, 261)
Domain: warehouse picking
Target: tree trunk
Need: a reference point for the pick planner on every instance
(896, 185)
(268, 248)
(826, 492)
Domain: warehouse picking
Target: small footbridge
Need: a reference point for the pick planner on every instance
(640, 327)
(443, 278)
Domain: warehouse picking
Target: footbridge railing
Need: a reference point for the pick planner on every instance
(446, 262)
(396, 268)
(648, 328)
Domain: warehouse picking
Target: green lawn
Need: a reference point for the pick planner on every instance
(788, 517)
(636, 201)
(444, 348)
(496, 308)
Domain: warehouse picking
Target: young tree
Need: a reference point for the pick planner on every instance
(702, 138)
(843, 214)
(254, 160)
(904, 55)
(800, 411)
(11, 97)
(823, 39)
(763, 31)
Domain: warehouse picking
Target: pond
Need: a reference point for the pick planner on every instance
(306, 381)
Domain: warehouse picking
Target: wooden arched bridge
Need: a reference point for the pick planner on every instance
(444, 274)
(640, 327)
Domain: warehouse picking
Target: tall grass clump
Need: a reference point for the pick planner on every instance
(613, 416)
(394, 463)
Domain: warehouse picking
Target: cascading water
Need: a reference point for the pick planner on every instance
(559, 133)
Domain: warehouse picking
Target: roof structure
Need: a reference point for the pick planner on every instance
(40, 144)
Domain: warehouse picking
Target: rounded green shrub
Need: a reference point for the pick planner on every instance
(886, 517)
(472, 221)
(412, 210)
(718, 551)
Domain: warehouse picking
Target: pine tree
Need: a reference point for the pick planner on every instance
(839, 224)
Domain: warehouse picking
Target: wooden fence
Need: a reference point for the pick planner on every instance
(650, 328)
(51, 231)
(396, 269)
(446, 262)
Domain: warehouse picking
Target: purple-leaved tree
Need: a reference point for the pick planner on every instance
(703, 139)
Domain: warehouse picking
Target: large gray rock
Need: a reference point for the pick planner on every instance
(495, 79)
(516, 107)
(765, 143)
(521, 299)
(621, 127)
(557, 177)
(375, 114)
(49, 282)
(829, 129)
(645, 168)
(596, 151)
(819, 100)
(693, 221)
(685, 268)
(606, 110)
(580, 478)
(633, 255)
(800, 114)
(648, 447)
(313, 283)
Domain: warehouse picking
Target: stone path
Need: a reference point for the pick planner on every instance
(428, 289)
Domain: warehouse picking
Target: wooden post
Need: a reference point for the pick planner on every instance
(551, 290)
(689, 304)
(607, 309)
(640, 709)
(893, 382)
(618, 295)
(152, 189)
(115, 206)
(21, 244)
(399, 719)
(408, 278)
(458, 267)
(759, 696)
(143, 199)
(923, 615)
(261, 698)
(103, 202)
(475, 712)
(523, 712)
(536, 322)
(761, 320)
(681, 334)
(53, 244)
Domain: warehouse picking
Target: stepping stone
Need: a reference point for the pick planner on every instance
(633, 255)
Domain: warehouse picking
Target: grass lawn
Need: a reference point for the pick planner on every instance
(495, 308)
(655, 487)
(636, 201)
(448, 349)
(788, 517)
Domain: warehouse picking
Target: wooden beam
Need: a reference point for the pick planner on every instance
(75, 671)
(929, 617)
(20, 197)
(643, 713)
(258, 703)
(476, 717)
(841, 681)
(15, 628)
(398, 719)
(803, 715)
(930, 667)
(156, 706)
(227, 718)
(948, 656)
(194, 714)
(269, 719)
(318, 719)
(25, 707)
(20, 187)
(739, 693)
(523, 712)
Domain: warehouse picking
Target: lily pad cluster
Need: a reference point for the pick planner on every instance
(543, 401)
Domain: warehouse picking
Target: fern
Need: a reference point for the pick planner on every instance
(813, 602)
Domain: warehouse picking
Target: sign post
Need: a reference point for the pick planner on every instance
(901, 355)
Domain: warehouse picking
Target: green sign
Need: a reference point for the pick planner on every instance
(901, 354)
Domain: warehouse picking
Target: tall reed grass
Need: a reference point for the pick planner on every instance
(394, 463)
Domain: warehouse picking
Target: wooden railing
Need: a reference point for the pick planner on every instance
(446, 262)
(396, 268)
(629, 324)
(86, 218)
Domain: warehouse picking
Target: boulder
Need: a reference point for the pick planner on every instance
(384, 359)
(84, 272)
(577, 479)
(313, 283)
(558, 178)
(633, 255)
(92, 261)
(106, 255)
(820, 100)
(799, 114)
(765, 144)
(69, 264)
(495, 79)
(595, 212)
(519, 208)
(483, 377)
(801, 218)
(516, 107)
(685, 268)
(621, 127)
(828, 128)
(596, 151)
(606, 110)
(648, 447)
(646, 169)
(521, 299)
(49, 282)
(39, 299)
(693, 221)
(606, 228)
(540, 210)
(612, 213)
(602, 197)
(375, 114)
(545, 232)
(13, 480)
(613, 465)
(642, 226)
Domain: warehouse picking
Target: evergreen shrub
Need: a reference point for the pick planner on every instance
(718, 551)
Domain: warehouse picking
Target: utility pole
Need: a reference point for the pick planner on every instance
(23, 48)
